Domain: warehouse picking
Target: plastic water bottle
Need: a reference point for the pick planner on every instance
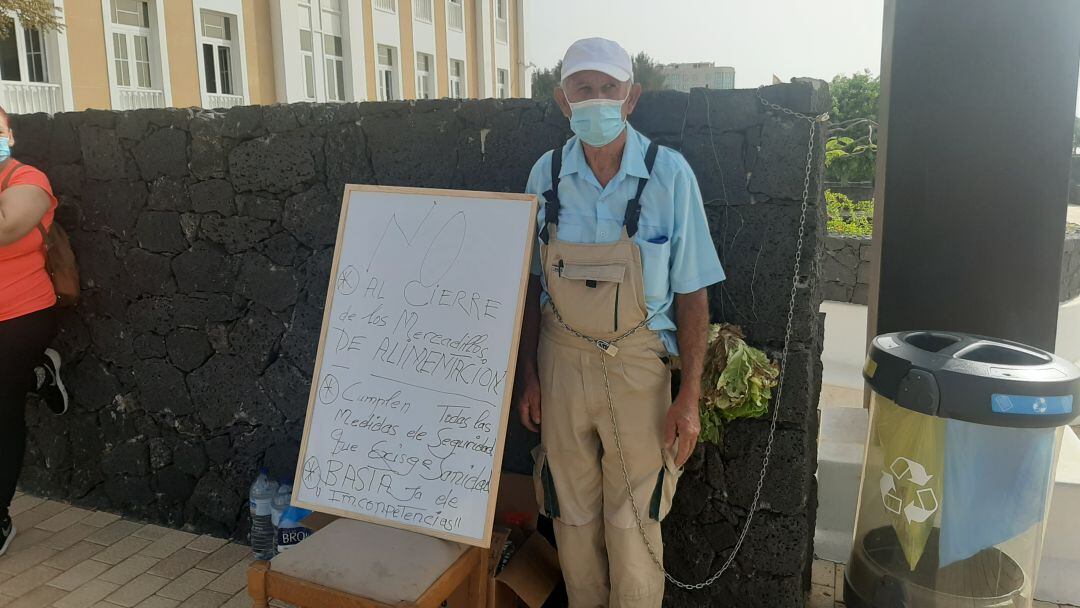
(262, 526)
(280, 502)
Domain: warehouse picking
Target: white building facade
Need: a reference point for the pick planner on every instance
(686, 76)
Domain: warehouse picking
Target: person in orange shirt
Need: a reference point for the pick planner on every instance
(27, 322)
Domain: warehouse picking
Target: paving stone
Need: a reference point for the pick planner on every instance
(113, 532)
(67, 537)
(23, 502)
(19, 562)
(28, 580)
(30, 518)
(121, 550)
(81, 551)
(134, 592)
(100, 519)
(823, 573)
(26, 538)
(240, 600)
(38, 598)
(206, 599)
(838, 585)
(127, 570)
(151, 532)
(224, 558)
(234, 579)
(177, 563)
(168, 544)
(78, 575)
(64, 519)
(821, 596)
(207, 543)
(86, 596)
(156, 601)
(187, 584)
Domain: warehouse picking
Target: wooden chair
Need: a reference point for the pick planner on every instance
(352, 564)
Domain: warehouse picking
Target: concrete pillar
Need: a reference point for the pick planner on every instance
(976, 114)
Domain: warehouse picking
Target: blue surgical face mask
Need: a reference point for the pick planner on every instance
(597, 122)
(5, 149)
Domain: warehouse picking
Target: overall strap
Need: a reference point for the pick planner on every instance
(633, 208)
(551, 196)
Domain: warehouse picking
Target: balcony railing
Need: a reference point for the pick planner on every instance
(502, 30)
(389, 6)
(31, 97)
(133, 99)
(224, 101)
(456, 14)
(422, 11)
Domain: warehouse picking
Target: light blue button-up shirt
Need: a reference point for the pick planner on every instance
(677, 251)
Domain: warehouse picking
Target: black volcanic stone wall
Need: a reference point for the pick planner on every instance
(205, 240)
(845, 268)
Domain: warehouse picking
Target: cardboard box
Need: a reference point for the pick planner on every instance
(532, 572)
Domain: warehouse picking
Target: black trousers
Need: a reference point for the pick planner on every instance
(23, 340)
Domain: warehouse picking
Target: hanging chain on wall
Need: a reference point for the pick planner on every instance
(813, 121)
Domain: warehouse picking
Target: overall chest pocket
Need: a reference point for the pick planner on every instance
(592, 297)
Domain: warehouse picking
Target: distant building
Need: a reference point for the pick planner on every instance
(128, 54)
(686, 76)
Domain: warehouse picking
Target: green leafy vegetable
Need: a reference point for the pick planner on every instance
(737, 381)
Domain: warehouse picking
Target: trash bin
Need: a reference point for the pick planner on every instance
(960, 455)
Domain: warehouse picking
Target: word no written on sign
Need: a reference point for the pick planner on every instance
(408, 406)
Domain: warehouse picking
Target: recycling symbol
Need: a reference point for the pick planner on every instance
(925, 502)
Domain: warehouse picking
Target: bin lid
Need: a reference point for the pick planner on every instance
(974, 378)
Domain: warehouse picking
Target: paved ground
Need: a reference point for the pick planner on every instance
(66, 557)
(827, 588)
(1074, 214)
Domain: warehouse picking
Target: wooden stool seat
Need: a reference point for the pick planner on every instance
(353, 563)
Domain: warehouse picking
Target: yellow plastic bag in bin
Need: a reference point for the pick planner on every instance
(913, 447)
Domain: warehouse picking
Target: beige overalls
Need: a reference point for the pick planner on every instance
(597, 298)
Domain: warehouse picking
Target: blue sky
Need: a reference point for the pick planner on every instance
(760, 38)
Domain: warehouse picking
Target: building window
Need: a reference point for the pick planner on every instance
(503, 80)
(36, 63)
(422, 11)
(218, 54)
(457, 78)
(307, 50)
(333, 50)
(423, 76)
(335, 68)
(389, 6)
(131, 36)
(385, 73)
(29, 64)
(502, 28)
(455, 15)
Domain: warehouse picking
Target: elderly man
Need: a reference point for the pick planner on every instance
(624, 258)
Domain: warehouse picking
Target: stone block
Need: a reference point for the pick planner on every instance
(148, 274)
(162, 388)
(312, 217)
(269, 164)
(259, 207)
(160, 231)
(169, 194)
(112, 206)
(102, 154)
(265, 283)
(204, 268)
(164, 152)
(215, 499)
(213, 195)
(188, 348)
(235, 234)
(207, 147)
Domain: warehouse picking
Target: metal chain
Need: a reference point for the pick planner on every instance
(812, 120)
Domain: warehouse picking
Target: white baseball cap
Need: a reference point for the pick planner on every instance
(598, 54)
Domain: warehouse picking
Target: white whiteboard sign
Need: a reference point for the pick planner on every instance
(412, 384)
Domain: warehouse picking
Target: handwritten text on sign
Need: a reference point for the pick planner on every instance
(413, 379)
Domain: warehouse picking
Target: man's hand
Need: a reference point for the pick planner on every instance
(529, 402)
(683, 426)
